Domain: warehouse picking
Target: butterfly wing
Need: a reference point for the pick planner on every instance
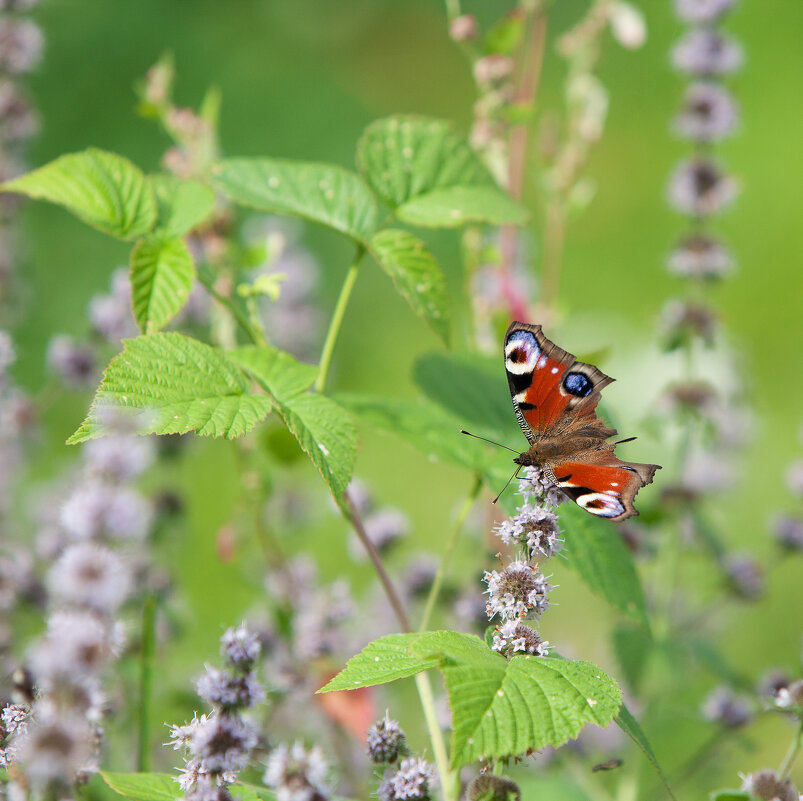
(604, 485)
(555, 399)
(546, 382)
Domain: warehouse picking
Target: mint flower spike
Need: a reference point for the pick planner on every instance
(297, 774)
(519, 590)
(411, 782)
(217, 746)
(513, 637)
(768, 786)
(534, 528)
(386, 741)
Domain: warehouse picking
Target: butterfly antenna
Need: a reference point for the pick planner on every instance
(622, 441)
(499, 444)
(506, 485)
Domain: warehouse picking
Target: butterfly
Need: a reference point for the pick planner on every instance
(555, 399)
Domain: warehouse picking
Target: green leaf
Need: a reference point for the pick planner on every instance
(175, 384)
(326, 434)
(323, 193)
(322, 428)
(103, 189)
(454, 206)
(499, 708)
(732, 795)
(381, 661)
(181, 204)
(250, 792)
(162, 275)
(164, 787)
(422, 425)
(630, 726)
(143, 786)
(530, 703)
(596, 551)
(279, 373)
(405, 157)
(472, 388)
(505, 36)
(416, 275)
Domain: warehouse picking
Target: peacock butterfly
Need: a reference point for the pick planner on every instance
(555, 398)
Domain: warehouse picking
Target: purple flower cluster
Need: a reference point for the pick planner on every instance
(521, 590)
(90, 545)
(699, 186)
(407, 776)
(21, 46)
(217, 746)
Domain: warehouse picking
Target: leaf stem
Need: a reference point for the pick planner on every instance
(207, 279)
(447, 778)
(147, 650)
(337, 319)
(791, 754)
(435, 589)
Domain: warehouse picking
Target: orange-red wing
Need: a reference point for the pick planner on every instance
(546, 381)
(605, 490)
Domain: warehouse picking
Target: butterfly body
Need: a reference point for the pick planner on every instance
(555, 399)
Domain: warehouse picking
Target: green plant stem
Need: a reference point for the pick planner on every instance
(452, 9)
(147, 650)
(207, 279)
(447, 779)
(791, 754)
(435, 589)
(337, 319)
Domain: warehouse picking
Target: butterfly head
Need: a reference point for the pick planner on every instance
(527, 459)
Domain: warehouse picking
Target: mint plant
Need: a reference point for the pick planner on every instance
(511, 694)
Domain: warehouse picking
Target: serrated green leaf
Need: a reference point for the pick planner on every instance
(162, 274)
(143, 786)
(403, 157)
(630, 726)
(530, 703)
(499, 708)
(279, 373)
(421, 424)
(164, 787)
(381, 661)
(602, 560)
(323, 193)
(322, 428)
(472, 388)
(454, 206)
(103, 189)
(326, 434)
(182, 204)
(175, 384)
(416, 275)
(250, 792)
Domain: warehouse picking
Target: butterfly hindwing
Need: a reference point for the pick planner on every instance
(546, 381)
(604, 489)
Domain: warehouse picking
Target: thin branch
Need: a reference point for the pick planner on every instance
(376, 559)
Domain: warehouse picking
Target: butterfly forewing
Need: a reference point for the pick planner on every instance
(546, 381)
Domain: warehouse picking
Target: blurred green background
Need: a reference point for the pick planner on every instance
(301, 80)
